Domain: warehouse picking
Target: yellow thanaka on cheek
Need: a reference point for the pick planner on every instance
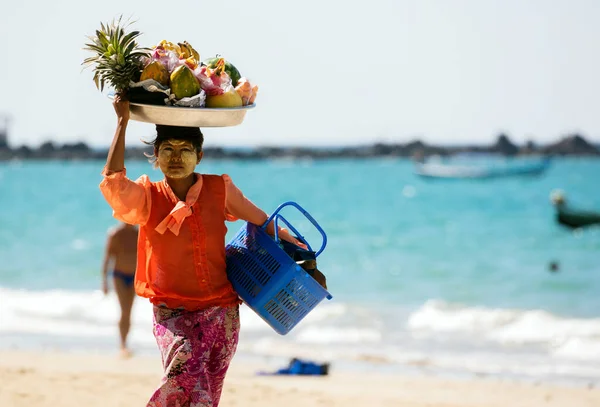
(189, 158)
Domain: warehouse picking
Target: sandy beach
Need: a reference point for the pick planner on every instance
(51, 378)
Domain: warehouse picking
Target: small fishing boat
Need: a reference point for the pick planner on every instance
(577, 219)
(572, 218)
(481, 170)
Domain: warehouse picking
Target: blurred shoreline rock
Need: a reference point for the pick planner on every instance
(571, 145)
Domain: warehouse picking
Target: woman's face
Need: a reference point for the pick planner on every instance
(177, 158)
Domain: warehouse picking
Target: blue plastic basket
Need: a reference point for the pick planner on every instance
(267, 279)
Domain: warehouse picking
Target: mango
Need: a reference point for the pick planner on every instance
(183, 83)
(227, 99)
(157, 71)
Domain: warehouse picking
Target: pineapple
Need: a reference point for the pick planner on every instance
(118, 60)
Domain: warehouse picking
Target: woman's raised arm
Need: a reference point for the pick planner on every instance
(130, 200)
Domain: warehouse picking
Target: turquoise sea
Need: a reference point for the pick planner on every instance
(444, 276)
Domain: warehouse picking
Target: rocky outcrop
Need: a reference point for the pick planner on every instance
(504, 146)
(572, 145)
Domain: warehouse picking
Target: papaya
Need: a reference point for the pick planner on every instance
(227, 99)
(183, 82)
(157, 71)
(231, 70)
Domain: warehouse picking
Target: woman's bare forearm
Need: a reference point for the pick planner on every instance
(116, 154)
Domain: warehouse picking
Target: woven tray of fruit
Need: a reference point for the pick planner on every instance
(168, 83)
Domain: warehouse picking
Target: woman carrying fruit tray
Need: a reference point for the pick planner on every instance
(181, 265)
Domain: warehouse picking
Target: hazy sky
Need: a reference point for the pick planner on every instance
(329, 72)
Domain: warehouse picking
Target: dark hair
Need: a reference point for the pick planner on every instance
(191, 134)
(164, 132)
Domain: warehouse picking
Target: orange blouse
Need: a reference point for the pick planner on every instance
(181, 245)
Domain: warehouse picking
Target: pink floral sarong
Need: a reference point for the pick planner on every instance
(196, 349)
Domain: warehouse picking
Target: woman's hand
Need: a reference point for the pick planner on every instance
(285, 235)
(121, 106)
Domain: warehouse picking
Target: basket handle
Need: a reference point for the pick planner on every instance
(275, 215)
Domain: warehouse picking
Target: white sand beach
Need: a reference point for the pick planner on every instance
(51, 378)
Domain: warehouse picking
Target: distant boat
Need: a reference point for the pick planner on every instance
(577, 219)
(483, 170)
(572, 218)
